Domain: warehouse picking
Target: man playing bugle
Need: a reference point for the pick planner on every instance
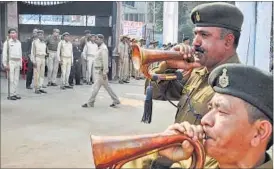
(216, 36)
(238, 126)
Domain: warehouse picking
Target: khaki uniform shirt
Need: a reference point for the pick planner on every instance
(52, 43)
(101, 59)
(38, 49)
(123, 50)
(13, 51)
(64, 50)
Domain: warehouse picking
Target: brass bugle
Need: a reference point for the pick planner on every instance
(142, 58)
(115, 151)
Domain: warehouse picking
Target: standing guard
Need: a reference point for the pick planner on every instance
(100, 73)
(38, 54)
(76, 67)
(123, 51)
(12, 61)
(53, 63)
(89, 53)
(30, 64)
(65, 57)
(83, 41)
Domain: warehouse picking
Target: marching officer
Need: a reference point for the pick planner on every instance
(12, 61)
(53, 63)
(100, 73)
(65, 58)
(38, 54)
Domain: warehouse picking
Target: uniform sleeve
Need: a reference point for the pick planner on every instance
(5, 54)
(105, 61)
(33, 52)
(85, 52)
(167, 90)
(72, 54)
(59, 51)
(20, 51)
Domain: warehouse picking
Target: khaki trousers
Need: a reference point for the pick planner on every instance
(84, 66)
(99, 81)
(53, 65)
(124, 69)
(14, 74)
(90, 72)
(39, 72)
(66, 67)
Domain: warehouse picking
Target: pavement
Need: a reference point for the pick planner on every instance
(53, 130)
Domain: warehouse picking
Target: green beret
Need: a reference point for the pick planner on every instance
(217, 14)
(66, 33)
(245, 82)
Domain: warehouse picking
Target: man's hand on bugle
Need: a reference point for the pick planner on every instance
(185, 150)
(183, 64)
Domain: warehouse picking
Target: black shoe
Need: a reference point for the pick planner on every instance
(12, 98)
(69, 87)
(54, 84)
(28, 87)
(126, 81)
(71, 84)
(37, 92)
(17, 97)
(49, 84)
(62, 88)
(87, 105)
(42, 91)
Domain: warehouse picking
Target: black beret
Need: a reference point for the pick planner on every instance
(11, 29)
(40, 31)
(186, 38)
(100, 36)
(66, 33)
(245, 82)
(217, 14)
(87, 31)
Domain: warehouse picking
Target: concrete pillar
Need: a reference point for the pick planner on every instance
(170, 29)
(12, 15)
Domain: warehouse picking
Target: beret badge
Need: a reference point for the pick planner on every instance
(197, 16)
(224, 79)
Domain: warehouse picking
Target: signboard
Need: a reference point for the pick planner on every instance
(133, 29)
(91, 21)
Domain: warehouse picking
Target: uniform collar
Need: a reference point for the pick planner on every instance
(203, 70)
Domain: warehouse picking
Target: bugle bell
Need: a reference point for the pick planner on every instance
(115, 151)
(142, 58)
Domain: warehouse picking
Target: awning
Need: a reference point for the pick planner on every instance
(45, 3)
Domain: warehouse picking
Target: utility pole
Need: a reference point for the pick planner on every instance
(154, 11)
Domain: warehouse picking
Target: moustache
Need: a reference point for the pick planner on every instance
(199, 49)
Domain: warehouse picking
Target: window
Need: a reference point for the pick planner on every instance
(129, 3)
(29, 19)
(126, 17)
(74, 20)
(141, 18)
(91, 21)
(130, 17)
(51, 19)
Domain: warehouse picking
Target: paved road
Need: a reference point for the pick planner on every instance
(53, 130)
